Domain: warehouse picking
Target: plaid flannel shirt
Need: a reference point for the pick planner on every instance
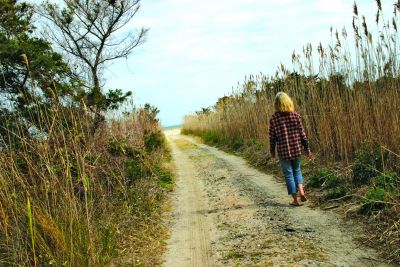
(287, 133)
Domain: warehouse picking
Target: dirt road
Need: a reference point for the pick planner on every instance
(226, 213)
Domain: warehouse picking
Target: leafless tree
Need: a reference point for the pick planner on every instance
(92, 31)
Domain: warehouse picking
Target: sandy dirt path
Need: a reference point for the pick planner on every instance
(226, 213)
(190, 243)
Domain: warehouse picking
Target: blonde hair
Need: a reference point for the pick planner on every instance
(283, 103)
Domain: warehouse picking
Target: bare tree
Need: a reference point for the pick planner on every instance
(92, 32)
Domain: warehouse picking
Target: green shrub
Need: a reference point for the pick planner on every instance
(333, 181)
(135, 153)
(134, 169)
(368, 163)
(370, 200)
(337, 192)
(210, 138)
(318, 178)
(153, 141)
(335, 186)
(237, 143)
(389, 181)
(164, 177)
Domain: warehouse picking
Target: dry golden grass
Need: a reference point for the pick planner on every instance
(69, 196)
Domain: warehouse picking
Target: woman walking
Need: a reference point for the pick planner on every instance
(286, 133)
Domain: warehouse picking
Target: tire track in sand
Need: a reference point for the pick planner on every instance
(190, 243)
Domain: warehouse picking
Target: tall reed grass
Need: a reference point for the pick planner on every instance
(350, 107)
(352, 97)
(69, 195)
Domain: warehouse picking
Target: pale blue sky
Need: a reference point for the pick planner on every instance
(196, 51)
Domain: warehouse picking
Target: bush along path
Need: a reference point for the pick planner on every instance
(226, 213)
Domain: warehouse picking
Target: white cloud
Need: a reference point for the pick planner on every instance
(338, 6)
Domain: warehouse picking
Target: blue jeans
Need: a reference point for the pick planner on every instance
(292, 171)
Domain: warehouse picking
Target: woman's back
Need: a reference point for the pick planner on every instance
(287, 133)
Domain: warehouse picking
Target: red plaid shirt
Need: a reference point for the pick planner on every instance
(287, 133)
